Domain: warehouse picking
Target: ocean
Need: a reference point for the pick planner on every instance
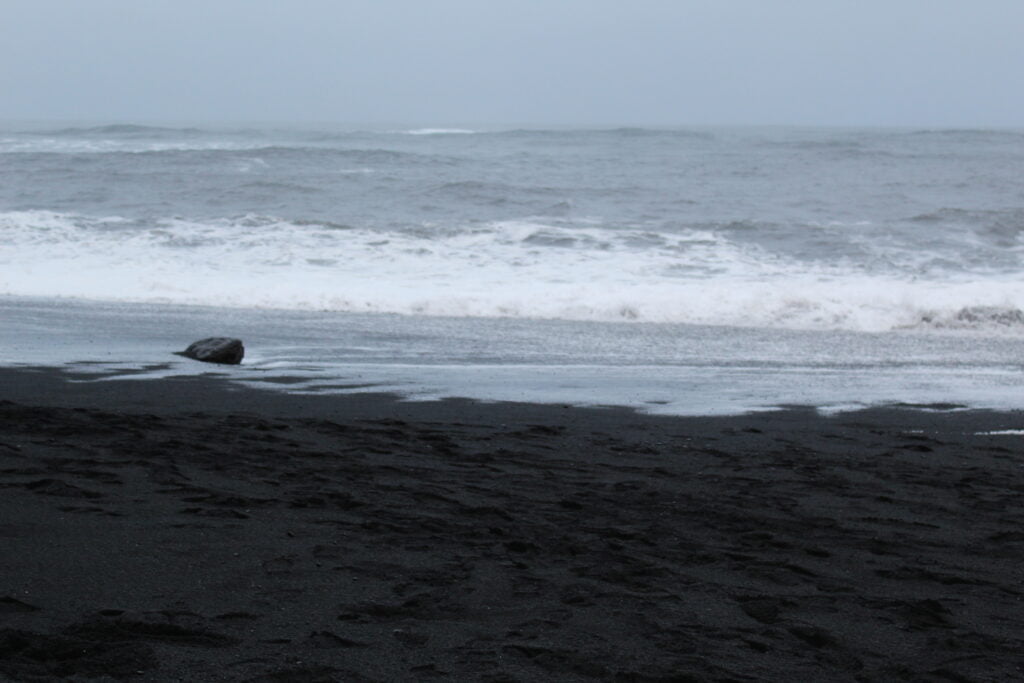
(678, 270)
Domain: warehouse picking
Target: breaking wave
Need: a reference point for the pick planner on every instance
(525, 269)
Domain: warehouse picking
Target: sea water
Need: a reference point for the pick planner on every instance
(689, 270)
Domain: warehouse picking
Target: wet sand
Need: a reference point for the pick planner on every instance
(185, 529)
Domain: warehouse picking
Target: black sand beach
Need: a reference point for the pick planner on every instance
(184, 529)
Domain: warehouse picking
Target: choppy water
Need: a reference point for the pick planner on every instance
(897, 237)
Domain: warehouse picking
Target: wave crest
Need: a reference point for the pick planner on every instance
(123, 129)
(976, 317)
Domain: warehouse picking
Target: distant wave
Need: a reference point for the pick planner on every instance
(959, 215)
(833, 145)
(328, 152)
(622, 132)
(273, 186)
(439, 131)
(970, 134)
(212, 148)
(358, 156)
(111, 145)
(492, 191)
(636, 132)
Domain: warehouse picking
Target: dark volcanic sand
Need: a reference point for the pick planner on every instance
(182, 530)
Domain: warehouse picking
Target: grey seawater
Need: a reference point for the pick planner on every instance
(657, 368)
(685, 270)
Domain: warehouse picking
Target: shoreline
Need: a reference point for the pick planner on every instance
(190, 529)
(685, 370)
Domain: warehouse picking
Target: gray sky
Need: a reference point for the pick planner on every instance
(446, 62)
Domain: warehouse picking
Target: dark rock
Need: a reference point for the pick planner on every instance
(216, 350)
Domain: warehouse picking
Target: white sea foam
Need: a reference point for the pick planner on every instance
(44, 145)
(439, 131)
(500, 269)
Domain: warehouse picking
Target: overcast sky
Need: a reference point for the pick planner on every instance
(448, 62)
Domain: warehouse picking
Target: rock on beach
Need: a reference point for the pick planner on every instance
(224, 350)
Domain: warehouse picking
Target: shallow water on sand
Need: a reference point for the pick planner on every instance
(659, 368)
